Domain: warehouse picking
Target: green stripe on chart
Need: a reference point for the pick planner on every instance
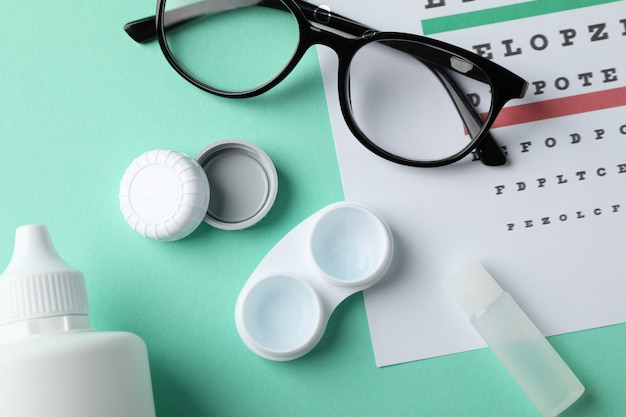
(504, 14)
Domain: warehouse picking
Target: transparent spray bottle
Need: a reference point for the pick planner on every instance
(515, 340)
(52, 364)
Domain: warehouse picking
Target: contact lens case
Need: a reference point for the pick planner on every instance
(284, 307)
(230, 184)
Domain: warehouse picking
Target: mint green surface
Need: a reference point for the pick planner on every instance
(79, 101)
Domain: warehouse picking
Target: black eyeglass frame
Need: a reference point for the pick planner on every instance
(505, 85)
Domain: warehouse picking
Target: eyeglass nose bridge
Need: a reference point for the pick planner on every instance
(344, 47)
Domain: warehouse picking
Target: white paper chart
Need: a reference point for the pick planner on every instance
(550, 225)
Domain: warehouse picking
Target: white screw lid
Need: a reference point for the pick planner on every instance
(38, 283)
(164, 195)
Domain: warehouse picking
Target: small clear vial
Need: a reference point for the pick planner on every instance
(515, 340)
(52, 364)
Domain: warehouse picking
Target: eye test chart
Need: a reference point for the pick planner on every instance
(550, 225)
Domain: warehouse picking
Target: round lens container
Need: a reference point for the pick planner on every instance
(165, 195)
(351, 245)
(282, 317)
(243, 180)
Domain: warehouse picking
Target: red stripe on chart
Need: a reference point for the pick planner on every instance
(558, 107)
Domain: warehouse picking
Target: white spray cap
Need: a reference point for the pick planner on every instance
(473, 287)
(38, 283)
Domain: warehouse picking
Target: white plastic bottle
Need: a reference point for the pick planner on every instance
(52, 364)
(515, 340)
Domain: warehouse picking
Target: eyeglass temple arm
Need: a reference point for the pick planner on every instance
(488, 150)
(144, 30)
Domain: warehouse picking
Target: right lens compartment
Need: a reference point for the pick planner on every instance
(351, 245)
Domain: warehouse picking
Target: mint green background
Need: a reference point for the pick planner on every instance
(79, 101)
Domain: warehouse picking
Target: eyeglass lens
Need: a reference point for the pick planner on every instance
(232, 46)
(411, 108)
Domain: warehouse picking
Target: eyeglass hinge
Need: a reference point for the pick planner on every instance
(322, 14)
(368, 34)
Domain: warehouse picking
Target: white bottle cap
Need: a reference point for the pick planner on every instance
(473, 287)
(38, 283)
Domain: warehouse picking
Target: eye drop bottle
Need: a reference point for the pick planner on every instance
(52, 364)
(515, 340)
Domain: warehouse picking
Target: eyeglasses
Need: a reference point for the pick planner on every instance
(410, 99)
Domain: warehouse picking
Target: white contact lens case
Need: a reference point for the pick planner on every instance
(230, 184)
(282, 310)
